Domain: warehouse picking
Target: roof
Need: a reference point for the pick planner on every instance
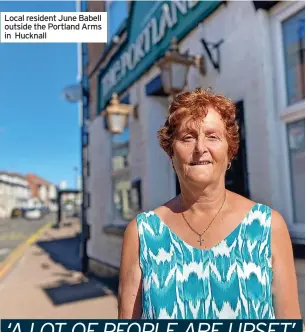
(18, 175)
(35, 182)
(35, 179)
(21, 176)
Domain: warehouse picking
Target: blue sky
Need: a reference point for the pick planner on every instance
(39, 130)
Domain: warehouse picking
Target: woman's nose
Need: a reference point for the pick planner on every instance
(200, 146)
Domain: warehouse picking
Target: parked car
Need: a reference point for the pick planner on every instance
(17, 212)
(33, 214)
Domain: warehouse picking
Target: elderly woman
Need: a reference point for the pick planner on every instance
(207, 253)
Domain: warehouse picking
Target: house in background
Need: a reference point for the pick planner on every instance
(15, 193)
(44, 193)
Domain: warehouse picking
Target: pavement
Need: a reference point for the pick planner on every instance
(300, 273)
(43, 280)
(46, 282)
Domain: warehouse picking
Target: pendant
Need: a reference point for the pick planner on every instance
(200, 241)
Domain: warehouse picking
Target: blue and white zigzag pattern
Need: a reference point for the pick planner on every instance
(232, 280)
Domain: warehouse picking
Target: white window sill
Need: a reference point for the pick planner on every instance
(115, 228)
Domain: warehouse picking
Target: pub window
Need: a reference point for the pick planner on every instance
(293, 35)
(123, 192)
(289, 32)
(293, 30)
(296, 143)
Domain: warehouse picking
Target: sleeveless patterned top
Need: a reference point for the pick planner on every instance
(232, 280)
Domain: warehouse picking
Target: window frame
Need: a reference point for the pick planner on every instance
(118, 218)
(285, 114)
(294, 212)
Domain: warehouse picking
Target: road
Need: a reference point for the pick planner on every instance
(15, 231)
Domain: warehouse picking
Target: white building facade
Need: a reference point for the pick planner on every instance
(15, 193)
(260, 66)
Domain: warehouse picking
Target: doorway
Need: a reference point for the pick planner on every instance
(236, 178)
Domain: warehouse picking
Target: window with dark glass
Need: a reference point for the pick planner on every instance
(296, 142)
(123, 202)
(293, 34)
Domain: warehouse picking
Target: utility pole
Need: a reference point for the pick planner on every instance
(77, 93)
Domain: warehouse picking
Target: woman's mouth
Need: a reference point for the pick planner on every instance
(196, 163)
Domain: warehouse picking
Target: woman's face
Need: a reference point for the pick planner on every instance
(200, 155)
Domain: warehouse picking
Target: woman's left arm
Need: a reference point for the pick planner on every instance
(285, 289)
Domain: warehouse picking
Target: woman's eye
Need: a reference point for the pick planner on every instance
(213, 137)
(188, 138)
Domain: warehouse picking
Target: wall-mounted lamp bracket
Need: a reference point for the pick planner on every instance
(211, 48)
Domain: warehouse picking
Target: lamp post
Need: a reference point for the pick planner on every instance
(117, 115)
(174, 68)
(79, 94)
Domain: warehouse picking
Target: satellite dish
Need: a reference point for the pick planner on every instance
(73, 93)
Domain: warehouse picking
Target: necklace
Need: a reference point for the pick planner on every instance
(201, 234)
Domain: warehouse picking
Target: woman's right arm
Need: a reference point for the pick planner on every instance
(130, 281)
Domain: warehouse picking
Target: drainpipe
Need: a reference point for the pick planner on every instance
(84, 225)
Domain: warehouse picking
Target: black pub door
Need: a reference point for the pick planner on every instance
(236, 179)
